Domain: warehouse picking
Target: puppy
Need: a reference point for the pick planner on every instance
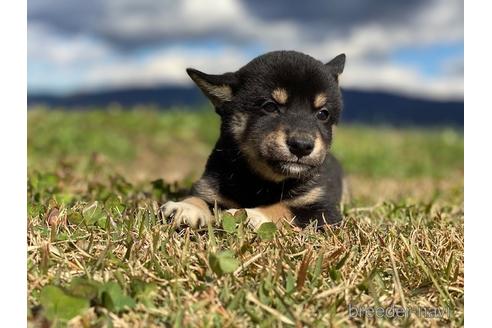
(272, 158)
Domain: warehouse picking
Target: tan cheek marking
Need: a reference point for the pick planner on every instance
(320, 100)
(260, 167)
(270, 139)
(280, 96)
(263, 170)
(238, 125)
(280, 138)
(308, 198)
(275, 142)
(319, 145)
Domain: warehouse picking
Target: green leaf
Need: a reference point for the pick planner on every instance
(102, 222)
(229, 223)
(290, 282)
(224, 262)
(59, 305)
(267, 230)
(84, 288)
(335, 274)
(240, 215)
(319, 265)
(93, 213)
(144, 292)
(114, 299)
(237, 300)
(263, 294)
(75, 217)
(34, 209)
(114, 204)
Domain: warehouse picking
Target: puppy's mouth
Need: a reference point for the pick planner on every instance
(291, 168)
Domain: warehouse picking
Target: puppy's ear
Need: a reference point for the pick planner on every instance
(218, 88)
(337, 64)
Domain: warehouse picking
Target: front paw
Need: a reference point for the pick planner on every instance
(182, 213)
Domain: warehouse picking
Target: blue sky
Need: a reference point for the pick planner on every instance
(413, 48)
(431, 60)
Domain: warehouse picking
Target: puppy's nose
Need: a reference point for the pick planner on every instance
(300, 146)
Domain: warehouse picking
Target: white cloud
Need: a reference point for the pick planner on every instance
(403, 80)
(125, 19)
(165, 66)
(441, 22)
(168, 66)
(101, 61)
(47, 46)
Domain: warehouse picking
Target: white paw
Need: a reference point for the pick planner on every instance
(255, 217)
(181, 213)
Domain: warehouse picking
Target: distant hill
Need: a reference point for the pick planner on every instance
(360, 106)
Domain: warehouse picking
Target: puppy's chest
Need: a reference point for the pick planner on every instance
(256, 194)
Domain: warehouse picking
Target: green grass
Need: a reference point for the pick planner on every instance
(98, 255)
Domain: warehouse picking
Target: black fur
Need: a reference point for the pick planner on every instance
(246, 167)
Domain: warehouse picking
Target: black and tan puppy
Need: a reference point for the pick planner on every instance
(272, 158)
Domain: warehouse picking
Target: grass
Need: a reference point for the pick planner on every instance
(98, 254)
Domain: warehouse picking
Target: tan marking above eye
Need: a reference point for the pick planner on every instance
(320, 100)
(280, 95)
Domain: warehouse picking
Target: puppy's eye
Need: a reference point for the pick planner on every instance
(270, 107)
(323, 115)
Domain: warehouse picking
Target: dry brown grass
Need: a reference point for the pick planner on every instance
(403, 254)
(94, 234)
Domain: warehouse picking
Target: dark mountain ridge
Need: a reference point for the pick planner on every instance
(373, 107)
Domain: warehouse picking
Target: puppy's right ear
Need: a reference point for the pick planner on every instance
(337, 64)
(217, 88)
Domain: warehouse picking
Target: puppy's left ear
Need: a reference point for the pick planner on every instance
(336, 65)
(217, 88)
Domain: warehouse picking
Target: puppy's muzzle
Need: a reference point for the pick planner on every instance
(300, 145)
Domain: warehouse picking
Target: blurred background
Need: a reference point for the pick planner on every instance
(107, 83)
